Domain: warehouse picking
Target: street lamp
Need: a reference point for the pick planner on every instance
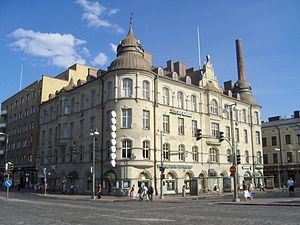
(279, 178)
(230, 108)
(162, 169)
(94, 134)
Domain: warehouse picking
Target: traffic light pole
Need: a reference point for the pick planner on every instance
(7, 188)
(161, 166)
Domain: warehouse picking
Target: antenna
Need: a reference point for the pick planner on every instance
(199, 56)
(21, 77)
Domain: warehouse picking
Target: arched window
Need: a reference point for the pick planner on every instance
(93, 98)
(256, 118)
(165, 96)
(110, 90)
(146, 90)
(226, 111)
(213, 107)
(160, 71)
(166, 151)
(213, 155)
(195, 154)
(247, 156)
(181, 152)
(193, 103)
(126, 148)
(127, 88)
(180, 99)
(146, 149)
(174, 76)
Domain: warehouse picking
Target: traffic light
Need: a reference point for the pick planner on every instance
(162, 169)
(198, 134)
(229, 158)
(238, 159)
(113, 136)
(221, 136)
(9, 167)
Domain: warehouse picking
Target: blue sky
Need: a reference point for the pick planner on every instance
(46, 36)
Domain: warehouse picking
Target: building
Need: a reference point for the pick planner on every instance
(158, 113)
(20, 123)
(281, 148)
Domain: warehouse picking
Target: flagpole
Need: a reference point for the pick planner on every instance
(199, 55)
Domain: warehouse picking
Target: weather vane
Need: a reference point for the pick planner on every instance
(131, 14)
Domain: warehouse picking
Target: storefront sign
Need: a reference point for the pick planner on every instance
(180, 113)
(177, 166)
(246, 167)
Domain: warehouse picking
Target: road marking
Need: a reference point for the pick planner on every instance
(139, 219)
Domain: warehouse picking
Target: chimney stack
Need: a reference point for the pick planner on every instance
(240, 60)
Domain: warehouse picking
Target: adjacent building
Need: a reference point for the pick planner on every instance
(281, 148)
(20, 117)
(159, 110)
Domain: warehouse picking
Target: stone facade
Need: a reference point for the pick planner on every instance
(157, 109)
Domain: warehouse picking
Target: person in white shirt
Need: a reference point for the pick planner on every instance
(290, 184)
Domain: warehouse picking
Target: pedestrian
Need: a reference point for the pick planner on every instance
(146, 192)
(261, 186)
(132, 191)
(250, 190)
(150, 193)
(99, 191)
(141, 194)
(290, 184)
(245, 190)
(72, 189)
(183, 191)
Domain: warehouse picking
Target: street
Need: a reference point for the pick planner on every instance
(25, 208)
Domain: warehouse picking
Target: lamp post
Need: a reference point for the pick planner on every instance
(94, 134)
(230, 108)
(161, 165)
(279, 177)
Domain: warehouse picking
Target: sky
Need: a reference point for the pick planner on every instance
(44, 37)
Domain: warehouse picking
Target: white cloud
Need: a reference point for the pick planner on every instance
(100, 59)
(93, 13)
(113, 47)
(60, 49)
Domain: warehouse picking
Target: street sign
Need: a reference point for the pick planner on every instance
(232, 169)
(8, 183)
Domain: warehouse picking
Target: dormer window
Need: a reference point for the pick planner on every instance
(160, 71)
(188, 80)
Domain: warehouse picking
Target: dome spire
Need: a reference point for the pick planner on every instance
(130, 22)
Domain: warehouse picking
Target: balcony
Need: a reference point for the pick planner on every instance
(3, 112)
(2, 125)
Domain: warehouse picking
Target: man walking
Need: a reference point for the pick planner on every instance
(150, 193)
(290, 184)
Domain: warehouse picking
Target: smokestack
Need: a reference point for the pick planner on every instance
(240, 60)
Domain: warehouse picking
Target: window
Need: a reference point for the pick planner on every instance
(195, 154)
(257, 137)
(256, 118)
(266, 159)
(63, 154)
(227, 132)
(213, 155)
(126, 118)
(181, 152)
(288, 140)
(194, 128)
(71, 130)
(237, 135)
(82, 102)
(93, 98)
(92, 123)
(245, 136)
(126, 148)
(72, 104)
(215, 130)
(244, 116)
(146, 90)
(165, 96)
(81, 128)
(264, 142)
(146, 119)
(181, 126)
(110, 89)
(146, 150)
(274, 141)
(259, 159)
(180, 99)
(214, 107)
(193, 103)
(235, 115)
(166, 151)
(127, 88)
(166, 124)
(289, 156)
(65, 130)
(275, 158)
(247, 159)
